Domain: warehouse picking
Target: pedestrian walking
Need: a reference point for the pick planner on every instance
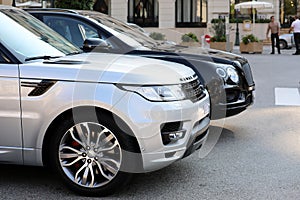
(296, 28)
(274, 27)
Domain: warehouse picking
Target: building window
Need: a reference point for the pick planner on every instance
(191, 13)
(143, 12)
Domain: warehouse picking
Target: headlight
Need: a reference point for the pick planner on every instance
(227, 72)
(233, 75)
(221, 72)
(158, 93)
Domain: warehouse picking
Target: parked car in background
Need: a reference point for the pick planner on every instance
(286, 41)
(94, 118)
(227, 77)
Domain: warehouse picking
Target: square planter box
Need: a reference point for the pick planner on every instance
(220, 46)
(252, 47)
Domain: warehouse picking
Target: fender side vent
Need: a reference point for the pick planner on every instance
(39, 87)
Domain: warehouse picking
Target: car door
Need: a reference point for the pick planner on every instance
(10, 112)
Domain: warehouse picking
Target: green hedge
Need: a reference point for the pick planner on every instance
(75, 4)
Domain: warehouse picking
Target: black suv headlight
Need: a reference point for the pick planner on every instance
(228, 72)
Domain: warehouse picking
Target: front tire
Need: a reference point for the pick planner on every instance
(88, 154)
(282, 44)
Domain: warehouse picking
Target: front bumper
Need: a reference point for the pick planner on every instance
(238, 100)
(146, 118)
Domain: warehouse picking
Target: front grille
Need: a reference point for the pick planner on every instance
(193, 90)
(248, 74)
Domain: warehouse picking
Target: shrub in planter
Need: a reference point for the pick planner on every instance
(249, 38)
(218, 29)
(251, 44)
(157, 36)
(189, 37)
(218, 41)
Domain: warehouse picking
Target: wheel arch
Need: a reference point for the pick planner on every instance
(283, 41)
(68, 113)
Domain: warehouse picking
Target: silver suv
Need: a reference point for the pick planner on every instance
(94, 118)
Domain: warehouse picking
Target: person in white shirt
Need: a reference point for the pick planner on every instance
(296, 28)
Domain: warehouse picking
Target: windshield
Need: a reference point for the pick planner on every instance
(122, 28)
(27, 37)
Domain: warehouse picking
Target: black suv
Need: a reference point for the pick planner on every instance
(227, 76)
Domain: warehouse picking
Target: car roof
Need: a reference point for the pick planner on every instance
(51, 9)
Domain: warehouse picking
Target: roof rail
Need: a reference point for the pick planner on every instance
(52, 9)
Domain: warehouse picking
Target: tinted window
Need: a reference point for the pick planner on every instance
(72, 29)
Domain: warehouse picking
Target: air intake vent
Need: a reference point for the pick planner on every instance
(39, 87)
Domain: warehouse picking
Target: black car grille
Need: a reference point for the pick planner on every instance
(248, 74)
(193, 90)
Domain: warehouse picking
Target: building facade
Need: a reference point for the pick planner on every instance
(176, 17)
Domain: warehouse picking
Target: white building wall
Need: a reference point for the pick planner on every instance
(119, 9)
(166, 13)
(167, 10)
(216, 8)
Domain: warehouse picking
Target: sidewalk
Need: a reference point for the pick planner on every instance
(266, 50)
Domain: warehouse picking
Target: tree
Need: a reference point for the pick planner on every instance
(75, 4)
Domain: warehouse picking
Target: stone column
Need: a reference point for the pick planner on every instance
(216, 8)
(166, 13)
(119, 9)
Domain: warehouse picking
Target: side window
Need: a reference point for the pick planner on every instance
(88, 31)
(72, 29)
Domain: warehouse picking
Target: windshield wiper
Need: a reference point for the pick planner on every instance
(41, 57)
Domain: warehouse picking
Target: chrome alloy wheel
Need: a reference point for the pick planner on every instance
(90, 154)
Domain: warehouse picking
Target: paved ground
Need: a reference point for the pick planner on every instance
(256, 157)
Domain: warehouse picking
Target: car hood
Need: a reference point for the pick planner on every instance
(108, 68)
(203, 51)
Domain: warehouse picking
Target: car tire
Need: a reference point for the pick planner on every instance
(282, 44)
(87, 154)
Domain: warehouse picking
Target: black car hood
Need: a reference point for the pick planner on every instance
(216, 55)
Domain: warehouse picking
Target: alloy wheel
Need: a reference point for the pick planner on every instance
(90, 154)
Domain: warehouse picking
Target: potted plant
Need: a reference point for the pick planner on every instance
(157, 36)
(251, 44)
(218, 41)
(189, 39)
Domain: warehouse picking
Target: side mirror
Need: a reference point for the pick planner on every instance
(90, 43)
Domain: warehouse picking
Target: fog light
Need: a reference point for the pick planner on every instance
(170, 137)
(176, 135)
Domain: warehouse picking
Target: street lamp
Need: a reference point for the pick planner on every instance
(237, 33)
